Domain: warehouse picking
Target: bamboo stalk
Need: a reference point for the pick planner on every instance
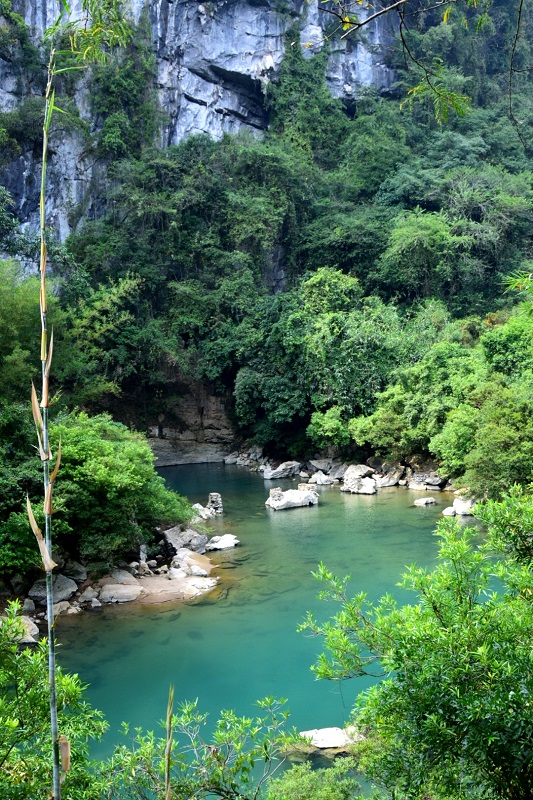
(168, 746)
(46, 357)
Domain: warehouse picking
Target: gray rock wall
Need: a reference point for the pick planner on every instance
(214, 60)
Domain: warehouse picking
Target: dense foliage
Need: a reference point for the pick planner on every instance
(339, 281)
(452, 716)
(25, 720)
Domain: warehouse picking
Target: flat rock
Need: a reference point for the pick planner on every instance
(425, 501)
(448, 512)
(119, 592)
(160, 589)
(285, 470)
(63, 588)
(292, 498)
(222, 542)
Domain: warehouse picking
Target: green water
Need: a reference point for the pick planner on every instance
(240, 643)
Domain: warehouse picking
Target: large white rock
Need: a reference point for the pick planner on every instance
(286, 470)
(358, 471)
(463, 508)
(448, 512)
(334, 738)
(357, 480)
(292, 498)
(222, 542)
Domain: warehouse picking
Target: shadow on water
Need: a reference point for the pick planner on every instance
(240, 643)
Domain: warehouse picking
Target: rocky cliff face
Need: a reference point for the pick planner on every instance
(214, 60)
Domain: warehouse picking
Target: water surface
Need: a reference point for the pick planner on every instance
(240, 643)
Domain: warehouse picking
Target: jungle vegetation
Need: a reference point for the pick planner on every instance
(341, 282)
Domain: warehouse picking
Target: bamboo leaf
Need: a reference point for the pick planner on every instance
(67, 69)
(47, 505)
(35, 410)
(45, 555)
(58, 462)
(37, 418)
(64, 750)
(49, 357)
(43, 346)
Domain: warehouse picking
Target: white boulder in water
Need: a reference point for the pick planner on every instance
(332, 738)
(222, 542)
(292, 498)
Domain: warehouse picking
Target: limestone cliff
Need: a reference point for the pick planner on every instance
(214, 60)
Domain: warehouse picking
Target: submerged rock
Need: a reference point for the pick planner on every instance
(222, 542)
(425, 501)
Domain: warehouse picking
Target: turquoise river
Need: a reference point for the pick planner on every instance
(240, 643)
